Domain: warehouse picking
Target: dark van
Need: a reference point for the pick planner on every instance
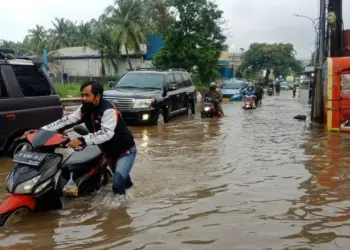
(28, 100)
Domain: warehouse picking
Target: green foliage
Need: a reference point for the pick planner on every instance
(70, 90)
(249, 74)
(280, 58)
(195, 39)
(128, 21)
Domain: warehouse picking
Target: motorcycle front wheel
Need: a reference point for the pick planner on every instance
(13, 217)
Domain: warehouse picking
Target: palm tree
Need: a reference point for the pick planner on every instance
(102, 41)
(37, 37)
(62, 33)
(84, 32)
(127, 19)
(158, 11)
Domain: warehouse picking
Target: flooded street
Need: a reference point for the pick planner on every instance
(254, 180)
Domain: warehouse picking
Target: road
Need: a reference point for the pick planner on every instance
(254, 180)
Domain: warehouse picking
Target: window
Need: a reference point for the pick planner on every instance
(187, 80)
(345, 83)
(170, 79)
(179, 81)
(141, 81)
(32, 80)
(232, 86)
(3, 90)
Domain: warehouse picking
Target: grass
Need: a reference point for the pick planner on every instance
(70, 90)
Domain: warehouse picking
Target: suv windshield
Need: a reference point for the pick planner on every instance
(141, 81)
(232, 86)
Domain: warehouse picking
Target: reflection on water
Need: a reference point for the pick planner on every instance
(253, 180)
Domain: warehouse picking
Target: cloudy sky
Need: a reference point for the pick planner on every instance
(247, 20)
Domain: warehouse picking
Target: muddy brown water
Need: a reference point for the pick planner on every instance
(253, 180)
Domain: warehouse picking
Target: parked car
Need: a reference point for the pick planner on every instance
(28, 100)
(232, 90)
(153, 97)
(284, 85)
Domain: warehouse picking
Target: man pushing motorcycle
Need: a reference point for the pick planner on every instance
(107, 129)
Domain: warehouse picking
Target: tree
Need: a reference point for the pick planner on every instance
(126, 20)
(278, 58)
(158, 16)
(37, 37)
(103, 41)
(194, 39)
(62, 33)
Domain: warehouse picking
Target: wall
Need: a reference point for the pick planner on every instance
(154, 44)
(92, 67)
(226, 72)
(224, 56)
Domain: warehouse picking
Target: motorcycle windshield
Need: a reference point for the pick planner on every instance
(43, 138)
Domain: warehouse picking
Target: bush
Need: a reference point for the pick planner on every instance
(198, 83)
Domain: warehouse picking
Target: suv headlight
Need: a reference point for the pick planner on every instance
(143, 103)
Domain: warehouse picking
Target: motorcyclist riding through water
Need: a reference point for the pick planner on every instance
(250, 91)
(107, 129)
(215, 95)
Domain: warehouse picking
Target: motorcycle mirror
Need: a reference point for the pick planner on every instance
(80, 130)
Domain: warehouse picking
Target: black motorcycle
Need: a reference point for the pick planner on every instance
(41, 177)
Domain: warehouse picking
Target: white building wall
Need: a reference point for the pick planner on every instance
(92, 67)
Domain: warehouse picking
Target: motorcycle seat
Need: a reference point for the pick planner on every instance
(83, 160)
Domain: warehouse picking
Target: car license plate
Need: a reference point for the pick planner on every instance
(225, 99)
(29, 158)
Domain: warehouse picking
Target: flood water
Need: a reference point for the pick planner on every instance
(253, 180)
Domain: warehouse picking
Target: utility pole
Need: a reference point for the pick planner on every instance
(336, 37)
(317, 102)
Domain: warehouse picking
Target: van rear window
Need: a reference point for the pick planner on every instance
(32, 80)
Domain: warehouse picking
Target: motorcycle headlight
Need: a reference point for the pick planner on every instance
(143, 103)
(206, 108)
(27, 186)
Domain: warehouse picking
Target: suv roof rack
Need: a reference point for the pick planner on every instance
(24, 60)
(177, 69)
(151, 69)
(36, 60)
(5, 56)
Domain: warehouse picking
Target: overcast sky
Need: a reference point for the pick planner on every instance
(247, 20)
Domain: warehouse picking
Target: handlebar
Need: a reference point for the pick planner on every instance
(65, 145)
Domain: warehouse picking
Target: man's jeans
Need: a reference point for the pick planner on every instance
(123, 166)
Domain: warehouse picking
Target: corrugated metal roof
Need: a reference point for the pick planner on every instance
(89, 52)
(74, 52)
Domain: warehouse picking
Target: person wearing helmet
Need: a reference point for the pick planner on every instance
(259, 94)
(250, 91)
(215, 95)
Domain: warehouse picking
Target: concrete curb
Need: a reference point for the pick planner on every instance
(70, 101)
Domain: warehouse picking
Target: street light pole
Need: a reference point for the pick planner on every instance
(314, 25)
(317, 102)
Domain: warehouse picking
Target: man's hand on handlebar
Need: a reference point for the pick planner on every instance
(76, 144)
(25, 134)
